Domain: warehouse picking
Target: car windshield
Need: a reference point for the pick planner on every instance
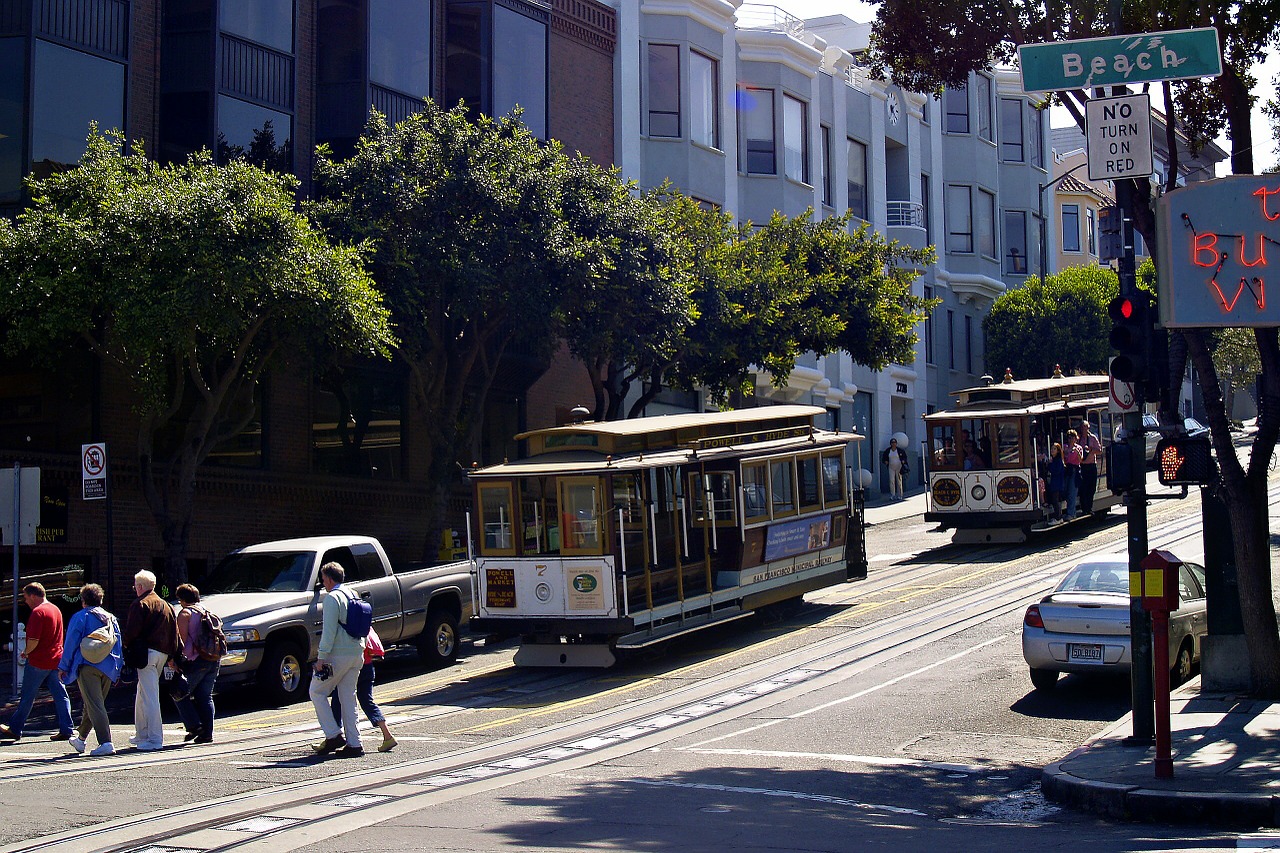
(1193, 425)
(1096, 577)
(269, 572)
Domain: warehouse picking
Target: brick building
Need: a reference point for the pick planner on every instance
(269, 79)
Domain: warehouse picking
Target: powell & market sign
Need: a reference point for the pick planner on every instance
(1217, 242)
(1116, 60)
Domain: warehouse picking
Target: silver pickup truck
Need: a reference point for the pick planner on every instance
(269, 598)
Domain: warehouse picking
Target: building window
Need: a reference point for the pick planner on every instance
(756, 106)
(795, 140)
(13, 94)
(1011, 147)
(928, 328)
(1015, 242)
(249, 132)
(951, 338)
(704, 112)
(400, 46)
(824, 165)
(959, 218)
(69, 89)
(520, 68)
(1036, 137)
(858, 203)
(968, 343)
(982, 102)
(956, 103)
(664, 90)
(1092, 216)
(1071, 228)
(986, 215)
(925, 208)
(1035, 239)
(267, 22)
(357, 430)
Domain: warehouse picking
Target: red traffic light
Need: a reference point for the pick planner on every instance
(1185, 461)
(1124, 309)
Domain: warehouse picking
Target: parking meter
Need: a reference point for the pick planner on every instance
(1156, 582)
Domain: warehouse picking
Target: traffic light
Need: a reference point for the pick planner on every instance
(1183, 461)
(1120, 477)
(1130, 336)
(1110, 227)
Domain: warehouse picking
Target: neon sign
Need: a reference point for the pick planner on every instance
(1218, 240)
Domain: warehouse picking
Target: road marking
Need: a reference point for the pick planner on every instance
(874, 760)
(770, 792)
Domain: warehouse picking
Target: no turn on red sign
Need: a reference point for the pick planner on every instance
(1119, 137)
(93, 471)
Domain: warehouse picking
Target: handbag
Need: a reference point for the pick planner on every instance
(177, 683)
(96, 646)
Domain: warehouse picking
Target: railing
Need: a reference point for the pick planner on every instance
(765, 16)
(858, 77)
(905, 213)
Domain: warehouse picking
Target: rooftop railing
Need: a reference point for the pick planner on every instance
(766, 16)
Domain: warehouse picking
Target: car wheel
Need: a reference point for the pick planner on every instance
(438, 642)
(1182, 665)
(284, 673)
(1043, 679)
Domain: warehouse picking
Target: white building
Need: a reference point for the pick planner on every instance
(746, 107)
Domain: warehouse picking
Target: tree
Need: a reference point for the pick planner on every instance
(938, 42)
(1235, 358)
(481, 234)
(757, 299)
(190, 280)
(1032, 328)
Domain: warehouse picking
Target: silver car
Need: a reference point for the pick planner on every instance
(1083, 625)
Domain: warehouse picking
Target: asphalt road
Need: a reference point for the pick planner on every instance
(894, 712)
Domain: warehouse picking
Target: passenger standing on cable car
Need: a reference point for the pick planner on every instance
(1055, 484)
(1072, 457)
(1092, 448)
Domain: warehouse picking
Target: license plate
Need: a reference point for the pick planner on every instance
(1085, 652)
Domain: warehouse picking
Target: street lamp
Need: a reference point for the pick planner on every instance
(1044, 228)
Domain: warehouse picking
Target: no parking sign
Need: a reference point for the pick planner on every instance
(93, 471)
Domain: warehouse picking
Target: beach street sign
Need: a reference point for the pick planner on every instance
(1116, 60)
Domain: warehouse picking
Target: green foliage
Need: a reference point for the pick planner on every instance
(189, 279)
(1064, 322)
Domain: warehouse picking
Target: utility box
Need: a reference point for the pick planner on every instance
(1156, 584)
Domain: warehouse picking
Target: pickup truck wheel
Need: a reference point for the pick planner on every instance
(284, 673)
(438, 643)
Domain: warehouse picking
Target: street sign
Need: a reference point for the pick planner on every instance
(28, 510)
(1215, 242)
(93, 471)
(1121, 397)
(1118, 131)
(1117, 60)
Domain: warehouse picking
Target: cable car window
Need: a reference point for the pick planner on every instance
(1009, 444)
(807, 483)
(755, 492)
(579, 515)
(719, 484)
(782, 482)
(832, 479)
(943, 441)
(496, 518)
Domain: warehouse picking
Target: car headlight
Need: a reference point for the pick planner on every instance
(243, 635)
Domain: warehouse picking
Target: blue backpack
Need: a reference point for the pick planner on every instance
(359, 616)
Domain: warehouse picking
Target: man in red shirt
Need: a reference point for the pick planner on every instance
(41, 656)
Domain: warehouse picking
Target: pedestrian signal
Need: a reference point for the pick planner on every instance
(1183, 461)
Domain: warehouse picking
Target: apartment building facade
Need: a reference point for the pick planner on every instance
(746, 107)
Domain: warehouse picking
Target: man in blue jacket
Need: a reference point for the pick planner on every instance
(94, 679)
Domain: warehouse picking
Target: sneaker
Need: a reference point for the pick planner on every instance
(7, 733)
(133, 740)
(191, 735)
(76, 744)
(202, 738)
(150, 747)
(388, 744)
(60, 736)
(329, 744)
(104, 749)
(349, 751)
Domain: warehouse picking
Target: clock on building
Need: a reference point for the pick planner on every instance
(893, 106)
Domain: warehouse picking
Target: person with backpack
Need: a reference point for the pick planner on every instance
(341, 657)
(92, 656)
(199, 659)
(373, 652)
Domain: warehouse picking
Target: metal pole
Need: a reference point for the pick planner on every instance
(17, 537)
(1164, 738)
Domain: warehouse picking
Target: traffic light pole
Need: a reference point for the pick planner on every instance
(1142, 685)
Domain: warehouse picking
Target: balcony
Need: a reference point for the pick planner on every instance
(764, 16)
(905, 220)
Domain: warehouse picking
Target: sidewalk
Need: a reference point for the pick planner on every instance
(882, 509)
(1226, 766)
